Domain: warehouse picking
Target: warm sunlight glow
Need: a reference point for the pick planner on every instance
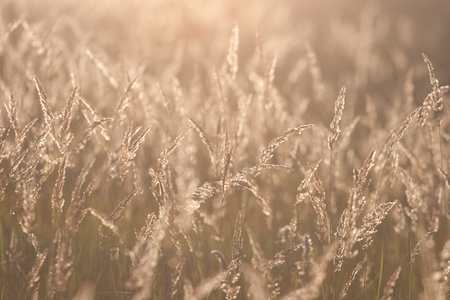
(224, 149)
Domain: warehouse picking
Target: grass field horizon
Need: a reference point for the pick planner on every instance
(224, 149)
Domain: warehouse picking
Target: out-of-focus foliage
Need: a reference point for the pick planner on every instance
(224, 149)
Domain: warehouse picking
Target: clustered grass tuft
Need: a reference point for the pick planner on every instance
(201, 152)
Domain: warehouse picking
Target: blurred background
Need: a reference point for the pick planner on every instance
(152, 63)
(382, 37)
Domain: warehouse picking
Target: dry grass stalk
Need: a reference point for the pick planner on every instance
(36, 41)
(280, 257)
(445, 177)
(416, 250)
(204, 139)
(37, 150)
(15, 253)
(318, 203)
(275, 285)
(20, 137)
(119, 112)
(14, 171)
(61, 266)
(304, 266)
(57, 195)
(165, 100)
(399, 135)
(347, 232)
(259, 262)
(77, 211)
(147, 228)
(445, 267)
(275, 167)
(316, 74)
(342, 235)
(103, 69)
(430, 264)
(35, 294)
(220, 95)
(117, 213)
(293, 227)
(269, 91)
(399, 216)
(123, 152)
(88, 133)
(7, 32)
(76, 192)
(390, 285)
(312, 289)
(46, 109)
(107, 242)
(28, 190)
(232, 56)
(96, 117)
(434, 100)
(352, 277)
(141, 239)
(163, 157)
(45, 105)
(237, 241)
(12, 113)
(347, 133)
(338, 111)
(301, 194)
(244, 182)
(206, 191)
(178, 97)
(371, 221)
(29, 184)
(143, 273)
(128, 149)
(221, 258)
(244, 106)
(34, 277)
(415, 195)
(27, 220)
(3, 140)
(273, 145)
(175, 277)
(67, 118)
(106, 223)
(394, 167)
(226, 173)
(235, 266)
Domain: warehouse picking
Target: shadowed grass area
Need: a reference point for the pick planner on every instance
(224, 150)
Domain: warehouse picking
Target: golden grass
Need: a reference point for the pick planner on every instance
(197, 150)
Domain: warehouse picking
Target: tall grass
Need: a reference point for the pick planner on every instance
(223, 150)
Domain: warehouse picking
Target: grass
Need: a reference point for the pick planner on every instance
(224, 150)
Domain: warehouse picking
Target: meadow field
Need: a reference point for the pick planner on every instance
(170, 149)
